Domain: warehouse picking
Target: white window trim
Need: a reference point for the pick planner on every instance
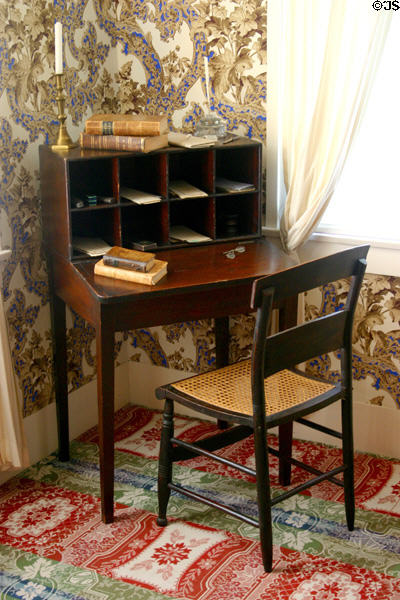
(5, 250)
(274, 182)
(383, 257)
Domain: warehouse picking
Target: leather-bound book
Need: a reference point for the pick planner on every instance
(157, 272)
(139, 125)
(129, 143)
(124, 258)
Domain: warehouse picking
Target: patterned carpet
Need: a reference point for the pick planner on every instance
(54, 545)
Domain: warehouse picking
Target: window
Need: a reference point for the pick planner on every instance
(369, 180)
(366, 202)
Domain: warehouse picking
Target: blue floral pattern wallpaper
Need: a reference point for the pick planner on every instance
(133, 56)
(376, 338)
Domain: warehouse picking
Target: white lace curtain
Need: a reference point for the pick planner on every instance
(331, 49)
(13, 448)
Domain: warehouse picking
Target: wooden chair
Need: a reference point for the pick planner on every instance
(269, 390)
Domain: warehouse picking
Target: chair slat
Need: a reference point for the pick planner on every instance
(303, 342)
(309, 275)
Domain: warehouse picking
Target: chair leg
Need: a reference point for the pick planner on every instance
(263, 498)
(348, 460)
(285, 453)
(165, 462)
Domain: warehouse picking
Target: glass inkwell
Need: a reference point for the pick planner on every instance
(210, 125)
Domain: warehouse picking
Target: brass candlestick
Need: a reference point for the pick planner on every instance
(64, 142)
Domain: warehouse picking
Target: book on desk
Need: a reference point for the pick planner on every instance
(156, 273)
(118, 124)
(125, 258)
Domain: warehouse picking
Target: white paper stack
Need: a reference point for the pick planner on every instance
(90, 246)
(187, 140)
(138, 197)
(185, 234)
(183, 189)
(227, 185)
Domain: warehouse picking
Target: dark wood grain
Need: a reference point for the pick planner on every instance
(58, 328)
(105, 398)
(194, 268)
(201, 281)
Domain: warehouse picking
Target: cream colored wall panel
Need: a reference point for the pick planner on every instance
(41, 426)
(376, 429)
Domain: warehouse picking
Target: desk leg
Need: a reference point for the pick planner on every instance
(222, 351)
(287, 318)
(60, 373)
(105, 398)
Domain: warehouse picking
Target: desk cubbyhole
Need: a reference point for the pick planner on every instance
(100, 223)
(237, 216)
(147, 173)
(143, 223)
(196, 214)
(98, 175)
(90, 177)
(238, 164)
(195, 168)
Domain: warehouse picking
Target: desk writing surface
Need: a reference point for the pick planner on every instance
(193, 269)
(201, 283)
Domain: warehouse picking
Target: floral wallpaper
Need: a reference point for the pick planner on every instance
(376, 338)
(134, 56)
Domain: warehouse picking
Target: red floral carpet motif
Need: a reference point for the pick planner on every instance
(186, 560)
(183, 560)
(376, 479)
(43, 519)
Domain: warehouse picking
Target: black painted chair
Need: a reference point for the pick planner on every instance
(269, 390)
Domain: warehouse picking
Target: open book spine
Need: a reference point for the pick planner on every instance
(128, 143)
(137, 125)
(156, 273)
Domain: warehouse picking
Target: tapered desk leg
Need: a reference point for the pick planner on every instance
(60, 373)
(222, 350)
(105, 398)
(287, 318)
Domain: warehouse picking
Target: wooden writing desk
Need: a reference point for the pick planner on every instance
(201, 282)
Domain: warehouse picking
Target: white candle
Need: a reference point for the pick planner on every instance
(58, 48)
(207, 78)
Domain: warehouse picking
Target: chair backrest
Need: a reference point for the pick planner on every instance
(272, 353)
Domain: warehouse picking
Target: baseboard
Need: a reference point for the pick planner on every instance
(41, 427)
(376, 428)
(145, 378)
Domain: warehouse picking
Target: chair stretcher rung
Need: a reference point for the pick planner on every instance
(224, 461)
(215, 442)
(306, 485)
(305, 467)
(321, 428)
(223, 507)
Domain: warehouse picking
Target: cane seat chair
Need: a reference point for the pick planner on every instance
(271, 390)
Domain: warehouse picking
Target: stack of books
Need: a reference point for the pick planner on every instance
(131, 265)
(133, 133)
